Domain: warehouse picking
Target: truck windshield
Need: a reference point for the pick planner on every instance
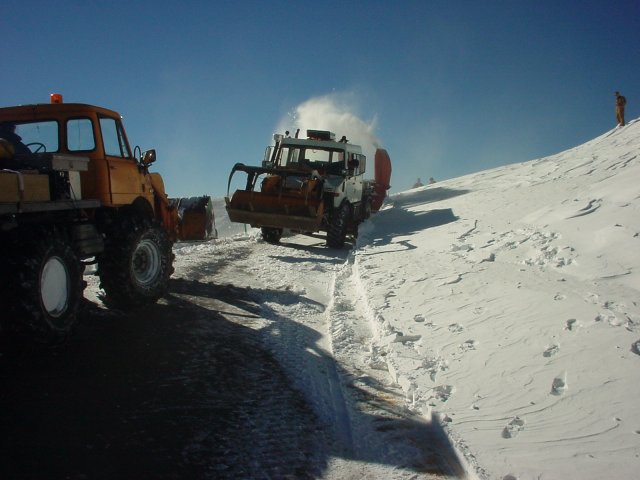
(314, 157)
(38, 137)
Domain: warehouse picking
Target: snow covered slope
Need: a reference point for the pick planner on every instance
(508, 302)
(503, 304)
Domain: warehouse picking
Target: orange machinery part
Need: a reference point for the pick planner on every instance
(382, 178)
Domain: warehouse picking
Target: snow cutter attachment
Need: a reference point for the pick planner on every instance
(195, 218)
(289, 198)
(382, 179)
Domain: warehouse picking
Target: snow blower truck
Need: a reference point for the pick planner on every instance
(72, 192)
(310, 185)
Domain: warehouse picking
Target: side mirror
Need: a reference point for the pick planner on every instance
(148, 157)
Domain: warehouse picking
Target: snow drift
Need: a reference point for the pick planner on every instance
(508, 302)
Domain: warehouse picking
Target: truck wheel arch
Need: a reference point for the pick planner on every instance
(142, 208)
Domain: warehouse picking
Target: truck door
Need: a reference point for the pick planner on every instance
(353, 185)
(126, 182)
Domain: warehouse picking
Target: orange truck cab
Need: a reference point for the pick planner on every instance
(73, 192)
(114, 176)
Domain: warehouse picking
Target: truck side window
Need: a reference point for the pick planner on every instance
(113, 137)
(358, 163)
(39, 136)
(80, 135)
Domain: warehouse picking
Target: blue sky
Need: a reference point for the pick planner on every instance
(448, 87)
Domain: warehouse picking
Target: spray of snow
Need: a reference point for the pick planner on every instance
(338, 113)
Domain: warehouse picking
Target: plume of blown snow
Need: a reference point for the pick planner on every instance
(336, 113)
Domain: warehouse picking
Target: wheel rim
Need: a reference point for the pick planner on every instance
(146, 263)
(54, 287)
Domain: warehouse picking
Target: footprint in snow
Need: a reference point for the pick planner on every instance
(490, 258)
(461, 247)
(635, 347)
(455, 328)
(592, 297)
(571, 324)
(552, 350)
(559, 385)
(610, 318)
(513, 428)
(422, 319)
(468, 345)
(343, 306)
(443, 392)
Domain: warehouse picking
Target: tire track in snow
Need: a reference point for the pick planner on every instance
(383, 426)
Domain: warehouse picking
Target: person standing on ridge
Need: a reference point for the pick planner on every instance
(620, 104)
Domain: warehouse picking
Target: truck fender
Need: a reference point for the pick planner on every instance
(142, 207)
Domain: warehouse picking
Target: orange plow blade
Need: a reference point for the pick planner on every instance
(290, 199)
(260, 209)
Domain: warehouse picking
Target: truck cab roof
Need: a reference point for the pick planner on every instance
(52, 111)
(321, 144)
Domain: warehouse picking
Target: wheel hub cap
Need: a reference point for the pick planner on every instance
(146, 263)
(54, 287)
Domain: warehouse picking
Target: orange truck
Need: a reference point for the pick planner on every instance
(74, 192)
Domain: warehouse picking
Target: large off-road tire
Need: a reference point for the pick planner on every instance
(337, 231)
(271, 235)
(48, 285)
(367, 208)
(137, 262)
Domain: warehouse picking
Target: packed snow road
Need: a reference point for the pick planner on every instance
(174, 392)
(250, 367)
(311, 317)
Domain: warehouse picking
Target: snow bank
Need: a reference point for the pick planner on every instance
(507, 302)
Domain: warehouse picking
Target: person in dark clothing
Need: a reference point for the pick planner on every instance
(8, 132)
(620, 104)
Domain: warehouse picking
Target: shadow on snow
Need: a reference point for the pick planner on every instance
(190, 388)
(424, 195)
(427, 448)
(400, 219)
